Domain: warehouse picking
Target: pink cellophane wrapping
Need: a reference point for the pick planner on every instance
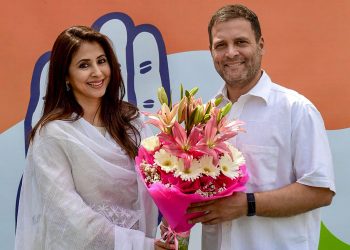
(173, 204)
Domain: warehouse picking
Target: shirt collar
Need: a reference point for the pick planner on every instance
(261, 89)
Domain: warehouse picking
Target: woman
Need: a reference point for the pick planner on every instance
(80, 189)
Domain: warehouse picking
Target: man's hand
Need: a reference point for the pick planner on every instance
(220, 210)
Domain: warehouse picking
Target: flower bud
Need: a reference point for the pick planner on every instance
(181, 91)
(194, 91)
(217, 101)
(226, 109)
(150, 143)
(181, 110)
(192, 117)
(199, 114)
(208, 108)
(206, 118)
(162, 96)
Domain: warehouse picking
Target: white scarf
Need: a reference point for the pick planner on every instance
(80, 191)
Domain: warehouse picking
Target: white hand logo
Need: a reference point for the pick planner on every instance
(141, 53)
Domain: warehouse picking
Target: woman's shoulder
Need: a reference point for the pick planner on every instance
(56, 128)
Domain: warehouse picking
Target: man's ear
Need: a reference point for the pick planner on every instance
(261, 45)
(211, 51)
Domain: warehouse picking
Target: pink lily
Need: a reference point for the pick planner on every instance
(213, 142)
(181, 145)
(234, 126)
(164, 119)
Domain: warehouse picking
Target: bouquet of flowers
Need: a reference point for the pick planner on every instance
(190, 159)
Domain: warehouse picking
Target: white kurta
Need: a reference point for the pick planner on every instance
(80, 191)
(285, 142)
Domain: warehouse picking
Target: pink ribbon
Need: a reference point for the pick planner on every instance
(171, 235)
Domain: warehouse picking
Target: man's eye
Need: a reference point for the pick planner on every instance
(219, 46)
(241, 42)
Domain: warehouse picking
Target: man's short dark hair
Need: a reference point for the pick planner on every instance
(229, 12)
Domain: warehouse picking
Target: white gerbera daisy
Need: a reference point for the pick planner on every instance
(207, 166)
(228, 167)
(150, 143)
(166, 161)
(237, 155)
(191, 173)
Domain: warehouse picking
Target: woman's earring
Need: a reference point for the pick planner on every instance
(67, 86)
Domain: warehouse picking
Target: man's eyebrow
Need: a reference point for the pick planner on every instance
(219, 41)
(241, 38)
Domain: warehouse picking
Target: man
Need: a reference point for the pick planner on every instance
(285, 146)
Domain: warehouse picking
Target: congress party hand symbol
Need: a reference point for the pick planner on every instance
(141, 53)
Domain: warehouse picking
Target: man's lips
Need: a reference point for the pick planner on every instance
(233, 64)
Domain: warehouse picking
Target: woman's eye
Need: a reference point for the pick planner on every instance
(83, 65)
(102, 60)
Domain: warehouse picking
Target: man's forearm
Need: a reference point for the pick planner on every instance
(291, 200)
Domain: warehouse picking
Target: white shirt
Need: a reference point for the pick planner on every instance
(80, 191)
(285, 142)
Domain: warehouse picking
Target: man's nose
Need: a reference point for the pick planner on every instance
(232, 51)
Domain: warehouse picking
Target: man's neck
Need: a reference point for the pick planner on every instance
(235, 91)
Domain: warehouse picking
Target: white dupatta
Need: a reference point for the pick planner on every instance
(80, 191)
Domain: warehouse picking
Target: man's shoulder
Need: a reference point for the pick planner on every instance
(291, 101)
(292, 96)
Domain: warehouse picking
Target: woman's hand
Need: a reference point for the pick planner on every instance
(160, 245)
(165, 244)
(164, 229)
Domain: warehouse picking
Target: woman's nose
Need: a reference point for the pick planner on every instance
(96, 70)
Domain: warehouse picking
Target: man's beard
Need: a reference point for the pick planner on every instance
(246, 78)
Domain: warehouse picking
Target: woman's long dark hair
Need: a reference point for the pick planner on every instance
(60, 104)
